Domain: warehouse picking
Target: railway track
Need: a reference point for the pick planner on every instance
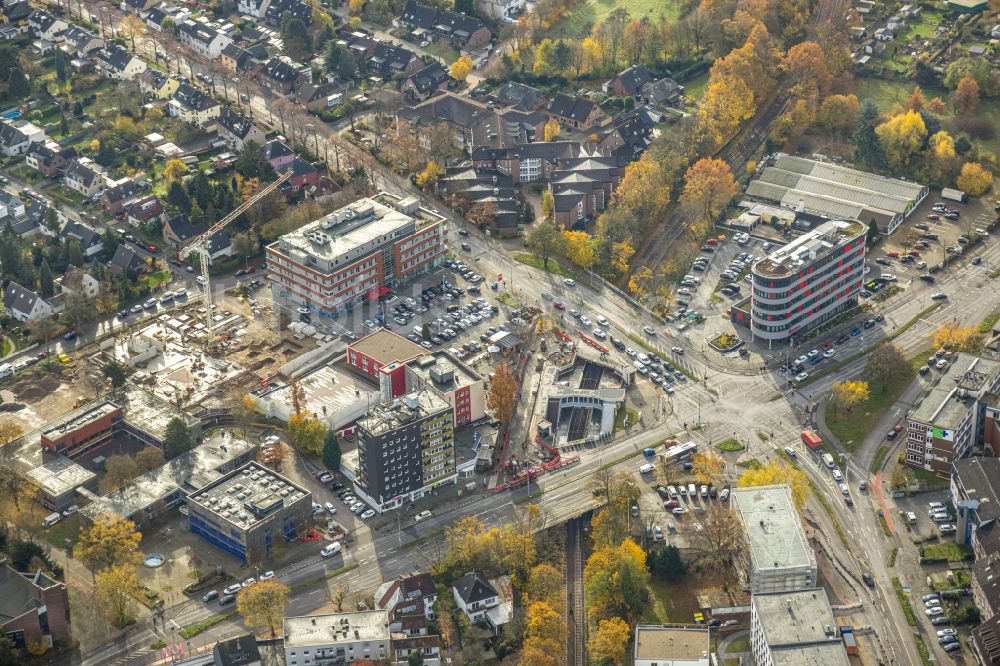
(576, 635)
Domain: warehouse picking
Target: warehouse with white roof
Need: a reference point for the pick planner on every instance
(830, 191)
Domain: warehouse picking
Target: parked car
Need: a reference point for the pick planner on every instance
(330, 550)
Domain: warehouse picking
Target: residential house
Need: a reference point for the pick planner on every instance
(390, 61)
(303, 175)
(16, 13)
(526, 163)
(278, 155)
(236, 59)
(427, 82)
(472, 123)
(428, 646)
(630, 134)
(664, 92)
(158, 84)
(279, 75)
(24, 221)
(179, 231)
(985, 585)
(23, 304)
(193, 105)
(480, 601)
(324, 96)
(49, 158)
(34, 608)
(13, 140)
(203, 38)
(76, 280)
(629, 82)
(279, 9)
(82, 176)
(11, 205)
(500, 10)
(114, 198)
(9, 32)
(582, 188)
(521, 97)
(217, 246)
(255, 8)
(144, 210)
(154, 17)
(90, 241)
(126, 261)
(81, 42)
(238, 651)
(237, 129)
(464, 31)
(47, 26)
(410, 603)
(577, 112)
(137, 6)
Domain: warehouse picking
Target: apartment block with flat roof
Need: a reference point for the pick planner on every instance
(795, 629)
(809, 281)
(406, 447)
(779, 557)
(354, 254)
(947, 421)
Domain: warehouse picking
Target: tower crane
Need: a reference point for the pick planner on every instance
(199, 245)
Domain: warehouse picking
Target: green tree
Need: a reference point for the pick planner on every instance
(331, 451)
(116, 374)
(177, 197)
(201, 189)
(414, 658)
(252, 163)
(45, 283)
(667, 564)
(298, 44)
(9, 654)
(545, 240)
(868, 148)
(425, 332)
(17, 86)
(873, 233)
(178, 438)
(60, 65)
(74, 253)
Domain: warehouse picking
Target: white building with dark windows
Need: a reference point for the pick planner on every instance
(795, 628)
(807, 282)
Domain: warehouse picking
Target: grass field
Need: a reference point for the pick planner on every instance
(588, 12)
(729, 446)
(886, 94)
(695, 88)
(948, 550)
(851, 427)
(670, 603)
(536, 262)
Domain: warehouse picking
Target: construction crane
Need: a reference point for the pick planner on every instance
(198, 245)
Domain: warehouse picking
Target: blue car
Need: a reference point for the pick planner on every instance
(70, 336)
(855, 331)
(680, 377)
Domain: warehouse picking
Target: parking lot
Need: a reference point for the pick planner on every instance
(679, 515)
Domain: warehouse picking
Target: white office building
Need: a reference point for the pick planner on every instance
(779, 558)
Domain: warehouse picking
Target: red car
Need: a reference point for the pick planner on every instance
(178, 262)
(894, 255)
(712, 241)
(558, 306)
(251, 269)
(899, 427)
(913, 253)
(933, 216)
(150, 248)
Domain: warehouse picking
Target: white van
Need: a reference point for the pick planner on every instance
(646, 469)
(837, 475)
(51, 520)
(201, 280)
(692, 491)
(6, 370)
(331, 550)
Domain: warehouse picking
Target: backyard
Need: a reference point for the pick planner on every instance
(670, 603)
(580, 18)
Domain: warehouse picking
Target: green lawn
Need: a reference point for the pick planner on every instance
(851, 427)
(948, 550)
(442, 50)
(729, 445)
(741, 644)
(588, 12)
(156, 279)
(695, 88)
(886, 94)
(670, 603)
(536, 262)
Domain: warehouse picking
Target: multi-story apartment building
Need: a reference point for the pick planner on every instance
(779, 558)
(948, 420)
(406, 447)
(792, 628)
(354, 254)
(805, 283)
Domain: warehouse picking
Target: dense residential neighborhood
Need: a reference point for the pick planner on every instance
(490, 332)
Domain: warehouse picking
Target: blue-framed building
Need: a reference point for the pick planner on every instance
(248, 511)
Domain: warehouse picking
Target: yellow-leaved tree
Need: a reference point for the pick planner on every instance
(545, 632)
(429, 175)
(580, 248)
(777, 472)
(708, 466)
(902, 137)
(461, 68)
(174, 170)
(262, 605)
(974, 180)
(615, 579)
(552, 130)
(709, 186)
(116, 588)
(957, 338)
(848, 393)
(110, 541)
(307, 433)
(609, 644)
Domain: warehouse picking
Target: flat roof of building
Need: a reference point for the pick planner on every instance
(979, 477)
(345, 229)
(443, 371)
(671, 643)
(149, 413)
(809, 247)
(78, 418)
(773, 529)
(337, 628)
(59, 476)
(943, 405)
(189, 471)
(834, 191)
(390, 415)
(386, 347)
(328, 390)
(247, 495)
(796, 618)
(830, 653)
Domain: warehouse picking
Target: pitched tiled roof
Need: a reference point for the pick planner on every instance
(574, 108)
(429, 78)
(472, 588)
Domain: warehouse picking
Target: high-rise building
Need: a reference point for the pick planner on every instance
(354, 254)
(406, 447)
(779, 557)
(793, 628)
(809, 281)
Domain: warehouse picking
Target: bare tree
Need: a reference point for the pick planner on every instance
(339, 595)
(721, 541)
